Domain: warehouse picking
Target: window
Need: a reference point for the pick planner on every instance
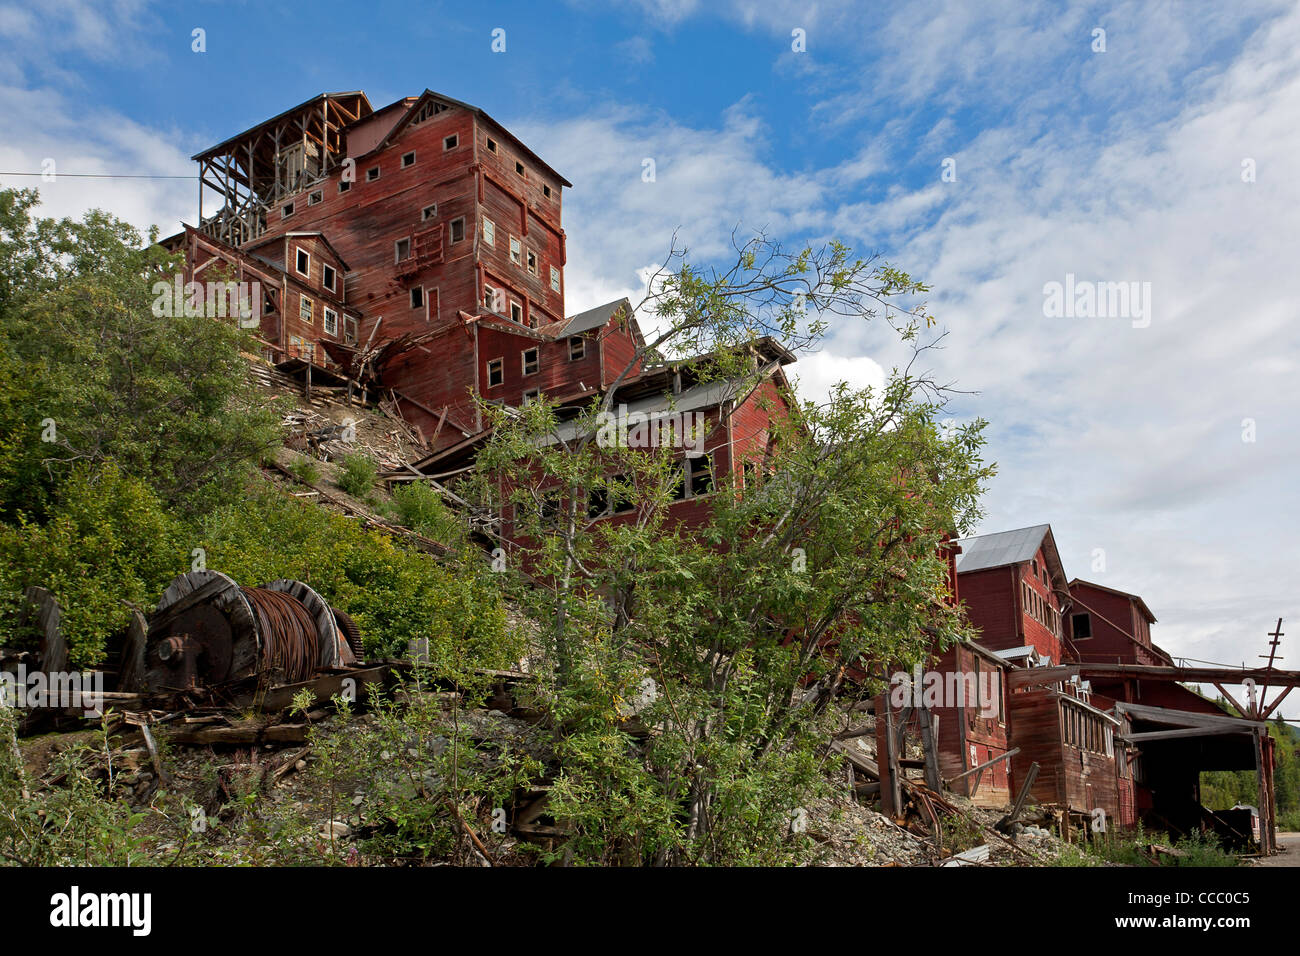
(531, 361)
(451, 142)
(489, 298)
(532, 395)
(1081, 625)
(417, 297)
(516, 251)
(519, 167)
(555, 278)
(408, 159)
(577, 348)
(492, 145)
(489, 231)
(329, 277)
(700, 472)
(315, 197)
(330, 321)
(372, 174)
(532, 263)
(304, 308)
(302, 261)
(517, 312)
(597, 503)
(429, 212)
(458, 229)
(621, 495)
(749, 474)
(349, 330)
(345, 185)
(546, 191)
(402, 249)
(496, 372)
(286, 210)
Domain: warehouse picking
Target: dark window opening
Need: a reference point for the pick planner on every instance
(597, 502)
(428, 212)
(458, 229)
(531, 361)
(701, 473)
(496, 372)
(1081, 625)
(345, 185)
(492, 145)
(314, 198)
(546, 191)
(372, 174)
(408, 159)
(328, 277)
(451, 142)
(303, 262)
(577, 348)
(286, 211)
(417, 297)
(519, 168)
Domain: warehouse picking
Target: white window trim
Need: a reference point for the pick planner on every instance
(451, 227)
(403, 162)
(516, 244)
(424, 297)
(555, 279)
(377, 170)
(297, 251)
(582, 348)
(426, 214)
(455, 145)
(310, 317)
(523, 361)
(326, 312)
(332, 286)
(500, 363)
(516, 305)
(396, 243)
(532, 264)
(490, 232)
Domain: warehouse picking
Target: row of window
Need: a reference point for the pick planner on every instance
(1087, 731)
(518, 256)
(1040, 609)
(519, 167)
(302, 265)
(329, 319)
(696, 481)
(530, 361)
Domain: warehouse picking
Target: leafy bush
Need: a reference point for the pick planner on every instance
(418, 507)
(306, 470)
(357, 477)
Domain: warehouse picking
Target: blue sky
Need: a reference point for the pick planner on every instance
(1113, 166)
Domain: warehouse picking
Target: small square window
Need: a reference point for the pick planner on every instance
(372, 174)
(429, 212)
(328, 277)
(555, 278)
(451, 142)
(546, 191)
(532, 395)
(304, 308)
(519, 168)
(489, 232)
(402, 249)
(516, 251)
(314, 197)
(458, 229)
(302, 261)
(496, 372)
(532, 263)
(417, 297)
(286, 210)
(408, 159)
(577, 348)
(531, 361)
(492, 145)
(330, 321)
(345, 185)
(517, 312)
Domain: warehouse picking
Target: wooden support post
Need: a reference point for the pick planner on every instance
(930, 748)
(895, 791)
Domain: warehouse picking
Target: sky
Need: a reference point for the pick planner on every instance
(991, 149)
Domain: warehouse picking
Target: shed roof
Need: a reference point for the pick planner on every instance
(1000, 548)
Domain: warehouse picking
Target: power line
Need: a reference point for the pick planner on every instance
(53, 176)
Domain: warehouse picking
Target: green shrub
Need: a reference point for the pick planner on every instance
(357, 477)
(306, 470)
(418, 507)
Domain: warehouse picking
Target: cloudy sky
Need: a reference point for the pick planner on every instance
(990, 148)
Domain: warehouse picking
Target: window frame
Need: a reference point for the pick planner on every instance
(581, 344)
(497, 367)
(536, 363)
(407, 160)
(373, 173)
(397, 249)
(489, 232)
(326, 271)
(325, 314)
(450, 142)
(458, 222)
(429, 212)
(299, 254)
(310, 317)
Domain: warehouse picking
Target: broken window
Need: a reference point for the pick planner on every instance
(408, 159)
(402, 249)
(700, 471)
(328, 277)
(577, 348)
(519, 167)
(451, 142)
(302, 262)
(546, 191)
(350, 330)
(372, 174)
(417, 297)
(495, 372)
(517, 312)
(345, 185)
(286, 210)
(314, 197)
(492, 145)
(458, 229)
(429, 212)
(597, 503)
(1081, 625)
(531, 361)
(516, 251)
(532, 395)
(532, 263)
(304, 308)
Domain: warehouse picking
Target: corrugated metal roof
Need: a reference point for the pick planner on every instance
(591, 319)
(1001, 548)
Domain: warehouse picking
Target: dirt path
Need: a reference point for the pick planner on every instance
(1289, 846)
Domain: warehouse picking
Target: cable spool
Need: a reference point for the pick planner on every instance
(208, 632)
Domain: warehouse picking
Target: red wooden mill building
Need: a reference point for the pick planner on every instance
(418, 249)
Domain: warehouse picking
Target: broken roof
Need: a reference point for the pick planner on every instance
(1142, 605)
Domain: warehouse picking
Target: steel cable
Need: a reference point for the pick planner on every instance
(290, 640)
